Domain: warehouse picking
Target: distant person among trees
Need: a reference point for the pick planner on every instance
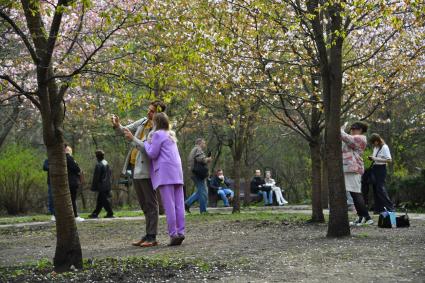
(102, 185)
(380, 157)
(258, 186)
(353, 146)
(222, 187)
(166, 174)
(139, 163)
(269, 182)
(74, 175)
(198, 166)
(50, 205)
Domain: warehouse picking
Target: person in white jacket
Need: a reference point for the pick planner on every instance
(277, 191)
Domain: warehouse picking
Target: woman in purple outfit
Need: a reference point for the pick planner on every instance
(167, 175)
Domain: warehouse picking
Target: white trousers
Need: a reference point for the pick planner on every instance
(279, 197)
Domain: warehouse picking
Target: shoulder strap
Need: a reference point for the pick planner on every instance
(376, 155)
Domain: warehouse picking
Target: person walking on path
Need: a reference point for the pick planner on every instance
(166, 174)
(353, 146)
(197, 155)
(50, 205)
(380, 157)
(102, 185)
(139, 163)
(74, 175)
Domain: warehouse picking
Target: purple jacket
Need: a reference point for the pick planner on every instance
(166, 164)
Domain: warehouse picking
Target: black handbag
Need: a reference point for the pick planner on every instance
(403, 221)
(200, 170)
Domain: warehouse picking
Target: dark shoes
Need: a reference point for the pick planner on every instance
(187, 208)
(110, 216)
(177, 240)
(93, 216)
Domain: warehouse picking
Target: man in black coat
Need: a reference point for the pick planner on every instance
(102, 184)
(74, 181)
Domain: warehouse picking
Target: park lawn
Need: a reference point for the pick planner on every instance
(247, 214)
(254, 245)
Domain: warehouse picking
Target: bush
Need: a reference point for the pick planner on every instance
(21, 179)
(409, 190)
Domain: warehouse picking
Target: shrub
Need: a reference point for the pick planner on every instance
(409, 190)
(21, 179)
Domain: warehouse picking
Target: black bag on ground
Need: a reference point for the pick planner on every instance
(384, 220)
(403, 221)
(200, 170)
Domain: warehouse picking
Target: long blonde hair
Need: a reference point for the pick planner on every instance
(161, 122)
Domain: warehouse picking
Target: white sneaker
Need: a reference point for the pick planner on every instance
(79, 219)
(358, 222)
(368, 222)
(53, 218)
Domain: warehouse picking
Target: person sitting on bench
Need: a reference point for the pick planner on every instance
(277, 191)
(258, 186)
(221, 185)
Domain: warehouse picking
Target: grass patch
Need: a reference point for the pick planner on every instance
(273, 216)
(157, 267)
(249, 213)
(24, 219)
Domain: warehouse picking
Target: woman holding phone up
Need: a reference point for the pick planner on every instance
(167, 175)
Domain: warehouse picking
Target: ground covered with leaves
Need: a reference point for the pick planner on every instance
(271, 246)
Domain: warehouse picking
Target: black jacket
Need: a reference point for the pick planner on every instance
(101, 177)
(255, 184)
(216, 183)
(73, 172)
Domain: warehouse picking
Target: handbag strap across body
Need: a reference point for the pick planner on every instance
(376, 155)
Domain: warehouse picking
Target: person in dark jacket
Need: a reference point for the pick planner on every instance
(221, 186)
(258, 187)
(50, 205)
(102, 185)
(74, 172)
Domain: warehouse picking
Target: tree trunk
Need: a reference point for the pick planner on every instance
(68, 248)
(237, 172)
(338, 217)
(316, 168)
(325, 189)
(10, 120)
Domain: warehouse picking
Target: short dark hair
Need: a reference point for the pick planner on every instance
(100, 154)
(161, 121)
(159, 106)
(359, 125)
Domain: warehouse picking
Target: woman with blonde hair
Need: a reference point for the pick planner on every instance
(380, 157)
(167, 175)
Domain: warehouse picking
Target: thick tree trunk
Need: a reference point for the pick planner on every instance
(68, 248)
(316, 184)
(338, 217)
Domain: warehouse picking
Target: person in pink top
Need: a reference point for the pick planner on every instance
(353, 146)
(167, 175)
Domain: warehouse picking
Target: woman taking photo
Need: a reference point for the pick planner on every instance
(167, 175)
(381, 156)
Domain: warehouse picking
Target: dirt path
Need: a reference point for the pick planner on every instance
(269, 250)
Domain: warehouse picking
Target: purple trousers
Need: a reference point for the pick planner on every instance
(173, 201)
